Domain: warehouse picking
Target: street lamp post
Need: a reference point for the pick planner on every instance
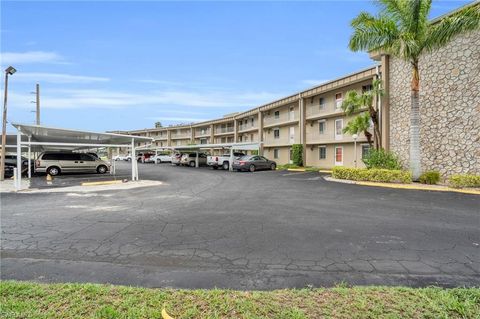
(8, 71)
(355, 136)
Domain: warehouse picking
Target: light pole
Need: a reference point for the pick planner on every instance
(8, 71)
(355, 136)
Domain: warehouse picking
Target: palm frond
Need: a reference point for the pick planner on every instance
(443, 32)
(358, 124)
(352, 102)
(372, 33)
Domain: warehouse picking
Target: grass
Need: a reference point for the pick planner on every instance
(33, 300)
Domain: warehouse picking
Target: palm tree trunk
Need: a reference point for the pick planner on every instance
(376, 131)
(368, 135)
(415, 157)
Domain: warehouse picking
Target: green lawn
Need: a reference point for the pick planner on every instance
(32, 300)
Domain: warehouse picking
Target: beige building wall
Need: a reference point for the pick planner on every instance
(283, 154)
(348, 155)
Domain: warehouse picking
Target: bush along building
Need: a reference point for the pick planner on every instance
(315, 120)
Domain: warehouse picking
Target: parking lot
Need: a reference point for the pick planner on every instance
(262, 230)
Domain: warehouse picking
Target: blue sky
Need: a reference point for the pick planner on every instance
(108, 65)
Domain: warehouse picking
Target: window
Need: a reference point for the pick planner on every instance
(203, 131)
(277, 114)
(246, 138)
(338, 100)
(322, 125)
(339, 129)
(365, 150)
(203, 141)
(276, 133)
(321, 101)
(251, 137)
(86, 157)
(338, 155)
(367, 88)
(275, 153)
(322, 152)
(252, 120)
(240, 138)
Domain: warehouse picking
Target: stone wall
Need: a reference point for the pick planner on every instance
(449, 107)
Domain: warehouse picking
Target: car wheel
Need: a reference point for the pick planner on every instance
(177, 164)
(53, 171)
(273, 167)
(251, 168)
(192, 164)
(102, 169)
(225, 165)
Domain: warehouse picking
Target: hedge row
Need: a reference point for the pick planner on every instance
(372, 175)
(459, 181)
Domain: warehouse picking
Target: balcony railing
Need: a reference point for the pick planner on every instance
(202, 132)
(245, 127)
(224, 130)
(315, 109)
(285, 117)
(181, 135)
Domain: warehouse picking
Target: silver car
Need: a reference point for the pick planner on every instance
(54, 163)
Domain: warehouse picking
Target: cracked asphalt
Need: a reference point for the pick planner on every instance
(266, 230)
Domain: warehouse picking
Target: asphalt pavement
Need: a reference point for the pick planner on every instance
(205, 228)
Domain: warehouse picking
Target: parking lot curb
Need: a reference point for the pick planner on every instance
(102, 183)
(296, 169)
(405, 186)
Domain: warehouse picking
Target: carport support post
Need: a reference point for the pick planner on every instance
(29, 158)
(230, 166)
(133, 158)
(18, 181)
(156, 156)
(196, 159)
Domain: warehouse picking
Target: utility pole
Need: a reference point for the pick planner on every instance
(8, 71)
(37, 94)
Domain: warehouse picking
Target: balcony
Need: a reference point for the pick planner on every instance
(205, 132)
(316, 109)
(247, 127)
(314, 137)
(181, 136)
(282, 140)
(284, 118)
(224, 130)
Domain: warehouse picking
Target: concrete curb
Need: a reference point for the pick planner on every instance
(405, 186)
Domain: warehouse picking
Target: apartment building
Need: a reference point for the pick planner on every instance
(313, 118)
(450, 116)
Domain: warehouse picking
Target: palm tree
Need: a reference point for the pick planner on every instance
(402, 29)
(360, 124)
(355, 101)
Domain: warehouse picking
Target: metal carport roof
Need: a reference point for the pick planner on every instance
(44, 138)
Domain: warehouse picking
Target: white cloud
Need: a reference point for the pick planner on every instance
(178, 119)
(170, 99)
(58, 78)
(314, 82)
(30, 57)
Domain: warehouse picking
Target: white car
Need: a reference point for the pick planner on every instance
(120, 158)
(161, 158)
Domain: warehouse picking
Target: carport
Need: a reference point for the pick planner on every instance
(153, 148)
(229, 146)
(39, 138)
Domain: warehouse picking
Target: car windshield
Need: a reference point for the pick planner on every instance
(246, 157)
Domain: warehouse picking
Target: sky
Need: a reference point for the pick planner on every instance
(124, 65)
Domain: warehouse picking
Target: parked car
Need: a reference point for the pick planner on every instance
(144, 157)
(160, 158)
(190, 159)
(54, 163)
(94, 155)
(176, 158)
(253, 163)
(11, 164)
(120, 157)
(222, 160)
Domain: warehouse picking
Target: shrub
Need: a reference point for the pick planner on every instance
(382, 159)
(459, 181)
(297, 154)
(429, 177)
(372, 175)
